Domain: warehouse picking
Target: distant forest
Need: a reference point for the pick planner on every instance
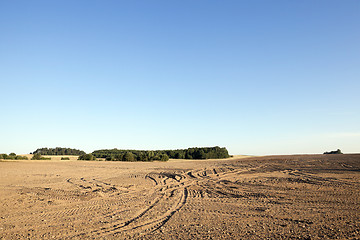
(139, 155)
(161, 155)
(58, 151)
(130, 155)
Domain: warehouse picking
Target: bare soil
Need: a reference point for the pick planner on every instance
(273, 197)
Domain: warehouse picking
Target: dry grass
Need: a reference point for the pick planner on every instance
(53, 158)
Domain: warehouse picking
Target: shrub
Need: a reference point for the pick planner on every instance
(163, 157)
(65, 158)
(87, 157)
(12, 156)
(110, 158)
(37, 156)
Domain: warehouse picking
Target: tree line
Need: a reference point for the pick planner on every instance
(334, 152)
(12, 156)
(130, 155)
(199, 153)
(58, 151)
(160, 155)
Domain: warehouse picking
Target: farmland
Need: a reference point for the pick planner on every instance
(305, 196)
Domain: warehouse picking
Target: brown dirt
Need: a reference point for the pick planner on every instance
(274, 197)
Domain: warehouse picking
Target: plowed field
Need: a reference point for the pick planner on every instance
(274, 197)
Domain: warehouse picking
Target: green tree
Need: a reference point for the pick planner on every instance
(36, 156)
(334, 152)
(21, 157)
(129, 157)
(87, 157)
(163, 157)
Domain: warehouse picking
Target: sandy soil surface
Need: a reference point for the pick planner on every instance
(274, 197)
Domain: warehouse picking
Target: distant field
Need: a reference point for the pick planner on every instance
(55, 158)
(270, 197)
(74, 158)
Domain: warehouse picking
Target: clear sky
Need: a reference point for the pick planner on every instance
(257, 77)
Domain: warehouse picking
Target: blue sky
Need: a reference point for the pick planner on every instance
(258, 77)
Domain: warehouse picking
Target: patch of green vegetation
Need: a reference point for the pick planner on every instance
(58, 151)
(161, 155)
(334, 152)
(87, 157)
(38, 156)
(12, 156)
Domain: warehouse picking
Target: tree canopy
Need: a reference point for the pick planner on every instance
(334, 152)
(88, 157)
(161, 155)
(59, 151)
(12, 156)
